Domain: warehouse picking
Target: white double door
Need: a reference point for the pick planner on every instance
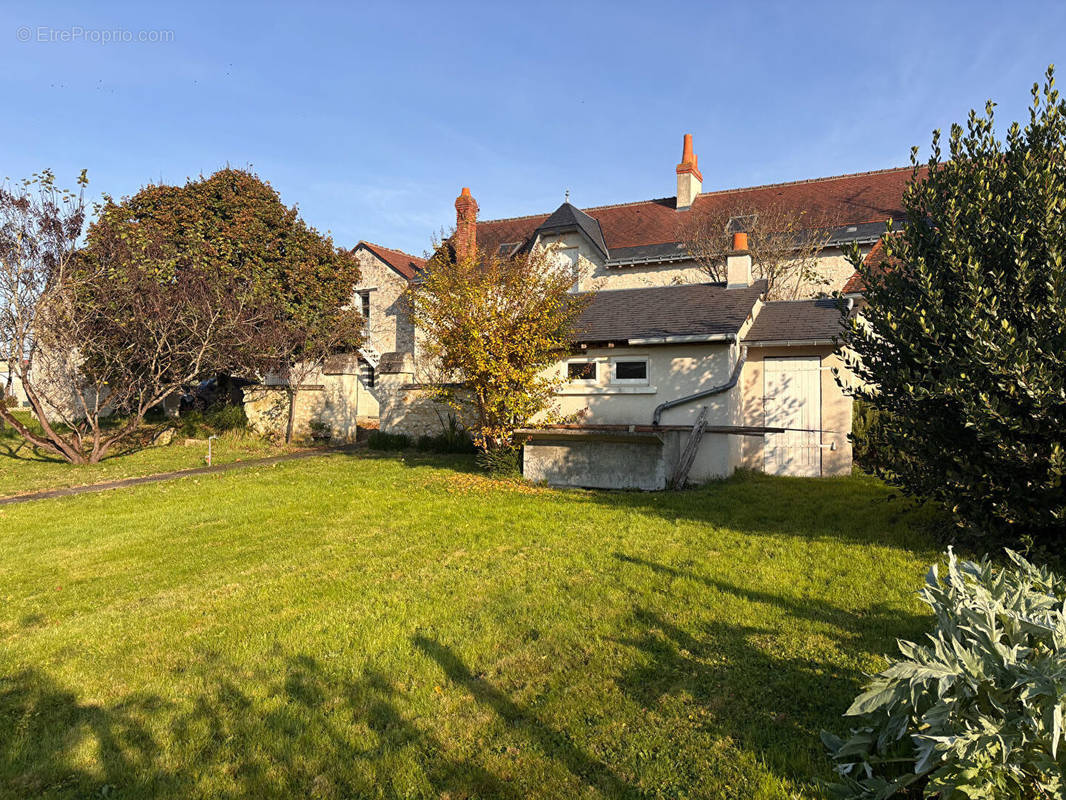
(792, 399)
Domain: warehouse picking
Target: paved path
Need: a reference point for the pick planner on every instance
(47, 494)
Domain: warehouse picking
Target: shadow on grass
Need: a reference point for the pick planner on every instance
(293, 731)
(414, 459)
(857, 509)
(15, 448)
(762, 692)
(868, 628)
(850, 509)
(554, 743)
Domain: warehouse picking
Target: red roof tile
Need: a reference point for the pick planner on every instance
(404, 263)
(874, 260)
(844, 199)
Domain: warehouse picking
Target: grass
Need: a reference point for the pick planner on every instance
(398, 626)
(24, 468)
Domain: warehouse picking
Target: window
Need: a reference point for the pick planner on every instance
(744, 223)
(366, 374)
(364, 304)
(629, 370)
(581, 371)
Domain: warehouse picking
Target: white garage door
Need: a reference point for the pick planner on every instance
(793, 400)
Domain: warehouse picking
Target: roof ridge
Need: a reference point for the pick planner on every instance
(731, 190)
(841, 176)
(390, 249)
(719, 284)
(755, 284)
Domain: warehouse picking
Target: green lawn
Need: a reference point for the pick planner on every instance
(24, 468)
(400, 627)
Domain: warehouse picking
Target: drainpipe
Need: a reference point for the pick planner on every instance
(725, 387)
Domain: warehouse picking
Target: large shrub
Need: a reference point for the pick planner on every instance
(962, 343)
(977, 711)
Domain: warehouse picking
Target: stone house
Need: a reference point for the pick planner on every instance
(668, 367)
(15, 394)
(346, 393)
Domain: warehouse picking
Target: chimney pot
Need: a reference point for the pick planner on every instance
(689, 178)
(738, 263)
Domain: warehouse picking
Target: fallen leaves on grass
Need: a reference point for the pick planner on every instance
(466, 483)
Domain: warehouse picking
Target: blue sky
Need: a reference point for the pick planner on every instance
(371, 117)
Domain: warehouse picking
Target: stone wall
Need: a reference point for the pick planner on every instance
(407, 407)
(340, 403)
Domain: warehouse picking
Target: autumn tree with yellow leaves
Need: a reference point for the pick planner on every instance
(489, 329)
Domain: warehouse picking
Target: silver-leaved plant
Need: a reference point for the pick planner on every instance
(977, 712)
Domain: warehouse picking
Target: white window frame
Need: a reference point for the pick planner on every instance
(616, 381)
(582, 381)
(365, 296)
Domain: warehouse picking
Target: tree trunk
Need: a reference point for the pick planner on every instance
(292, 416)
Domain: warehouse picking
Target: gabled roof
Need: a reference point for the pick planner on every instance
(796, 321)
(862, 200)
(404, 263)
(697, 310)
(568, 217)
(874, 260)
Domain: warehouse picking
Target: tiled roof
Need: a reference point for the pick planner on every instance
(390, 363)
(704, 309)
(875, 259)
(866, 197)
(404, 263)
(796, 320)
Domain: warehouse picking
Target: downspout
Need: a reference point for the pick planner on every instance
(725, 387)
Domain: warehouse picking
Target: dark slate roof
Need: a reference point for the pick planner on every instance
(859, 233)
(569, 217)
(652, 253)
(703, 309)
(795, 321)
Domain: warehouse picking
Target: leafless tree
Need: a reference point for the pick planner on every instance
(40, 226)
(100, 335)
(786, 245)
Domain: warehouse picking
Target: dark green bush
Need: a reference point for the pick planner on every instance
(501, 462)
(961, 344)
(379, 440)
(869, 449)
(452, 439)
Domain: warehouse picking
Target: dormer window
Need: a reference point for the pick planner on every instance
(744, 223)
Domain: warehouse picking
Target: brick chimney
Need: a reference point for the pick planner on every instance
(689, 177)
(465, 226)
(738, 263)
